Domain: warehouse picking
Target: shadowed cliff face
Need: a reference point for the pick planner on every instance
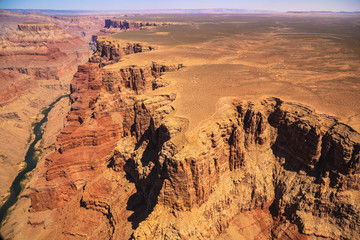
(274, 155)
(109, 50)
(123, 167)
(302, 166)
(131, 25)
(95, 125)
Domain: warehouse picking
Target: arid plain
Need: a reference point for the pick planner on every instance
(307, 58)
(206, 126)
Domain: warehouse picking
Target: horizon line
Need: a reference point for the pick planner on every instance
(182, 9)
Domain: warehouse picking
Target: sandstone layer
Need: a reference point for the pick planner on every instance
(110, 50)
(84, 27)
(37, 62)
(41, 51)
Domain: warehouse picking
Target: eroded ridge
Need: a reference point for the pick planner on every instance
(110, 50)
(38, 55)
(107, 105)
(124, 168)
(279, 157)
(132, 25)
(301, 166)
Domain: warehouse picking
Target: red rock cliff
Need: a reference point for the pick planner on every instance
(124, 167)
(40, 52)
(110, 50)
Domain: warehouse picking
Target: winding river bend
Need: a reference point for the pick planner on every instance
(30, 159)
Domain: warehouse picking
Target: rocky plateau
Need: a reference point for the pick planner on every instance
(124, 169)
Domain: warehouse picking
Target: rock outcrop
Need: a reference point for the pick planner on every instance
(131, 25)
(36, 52)
(37, 27)
(273, 154)
(110, 50)
(136, 78)
(124, 167)
(84, 27)
(43, 51)
(302, 167)
(95, 126)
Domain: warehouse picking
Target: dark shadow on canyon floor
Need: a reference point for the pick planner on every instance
(148, 185)
(137, 204)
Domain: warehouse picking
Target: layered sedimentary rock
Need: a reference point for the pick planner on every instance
(14, 84)
(302, 167)
(40, 52)
(37, 62)
(94, 127)
(274, 155)
(43, 51)
(110, 50)
(131, 25)
(136, 78)
(84, 27)
(123, 167)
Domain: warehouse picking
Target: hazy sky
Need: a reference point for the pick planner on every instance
(277, 5)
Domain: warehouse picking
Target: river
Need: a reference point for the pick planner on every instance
(31, 161)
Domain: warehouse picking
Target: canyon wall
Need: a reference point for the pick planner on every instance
(274, 155)
(110, 50)
(42, 52)
(84, 27)
(124, 169)
(131, 25)
(37, 62)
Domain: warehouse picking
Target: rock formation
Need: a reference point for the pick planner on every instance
(272, 154)
(43, 51)
(94, 126)
(123, 167)
(84, 27)
(124, 163)
(110, 50)
(131, 25)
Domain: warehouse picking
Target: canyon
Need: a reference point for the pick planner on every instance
(37, 63)
(198, 136)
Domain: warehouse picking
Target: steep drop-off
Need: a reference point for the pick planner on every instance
(110, 50)
(123, 167)
(84, 27)
(37, 62)
(43, 51)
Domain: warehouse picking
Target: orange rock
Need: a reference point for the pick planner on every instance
(283, 167)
